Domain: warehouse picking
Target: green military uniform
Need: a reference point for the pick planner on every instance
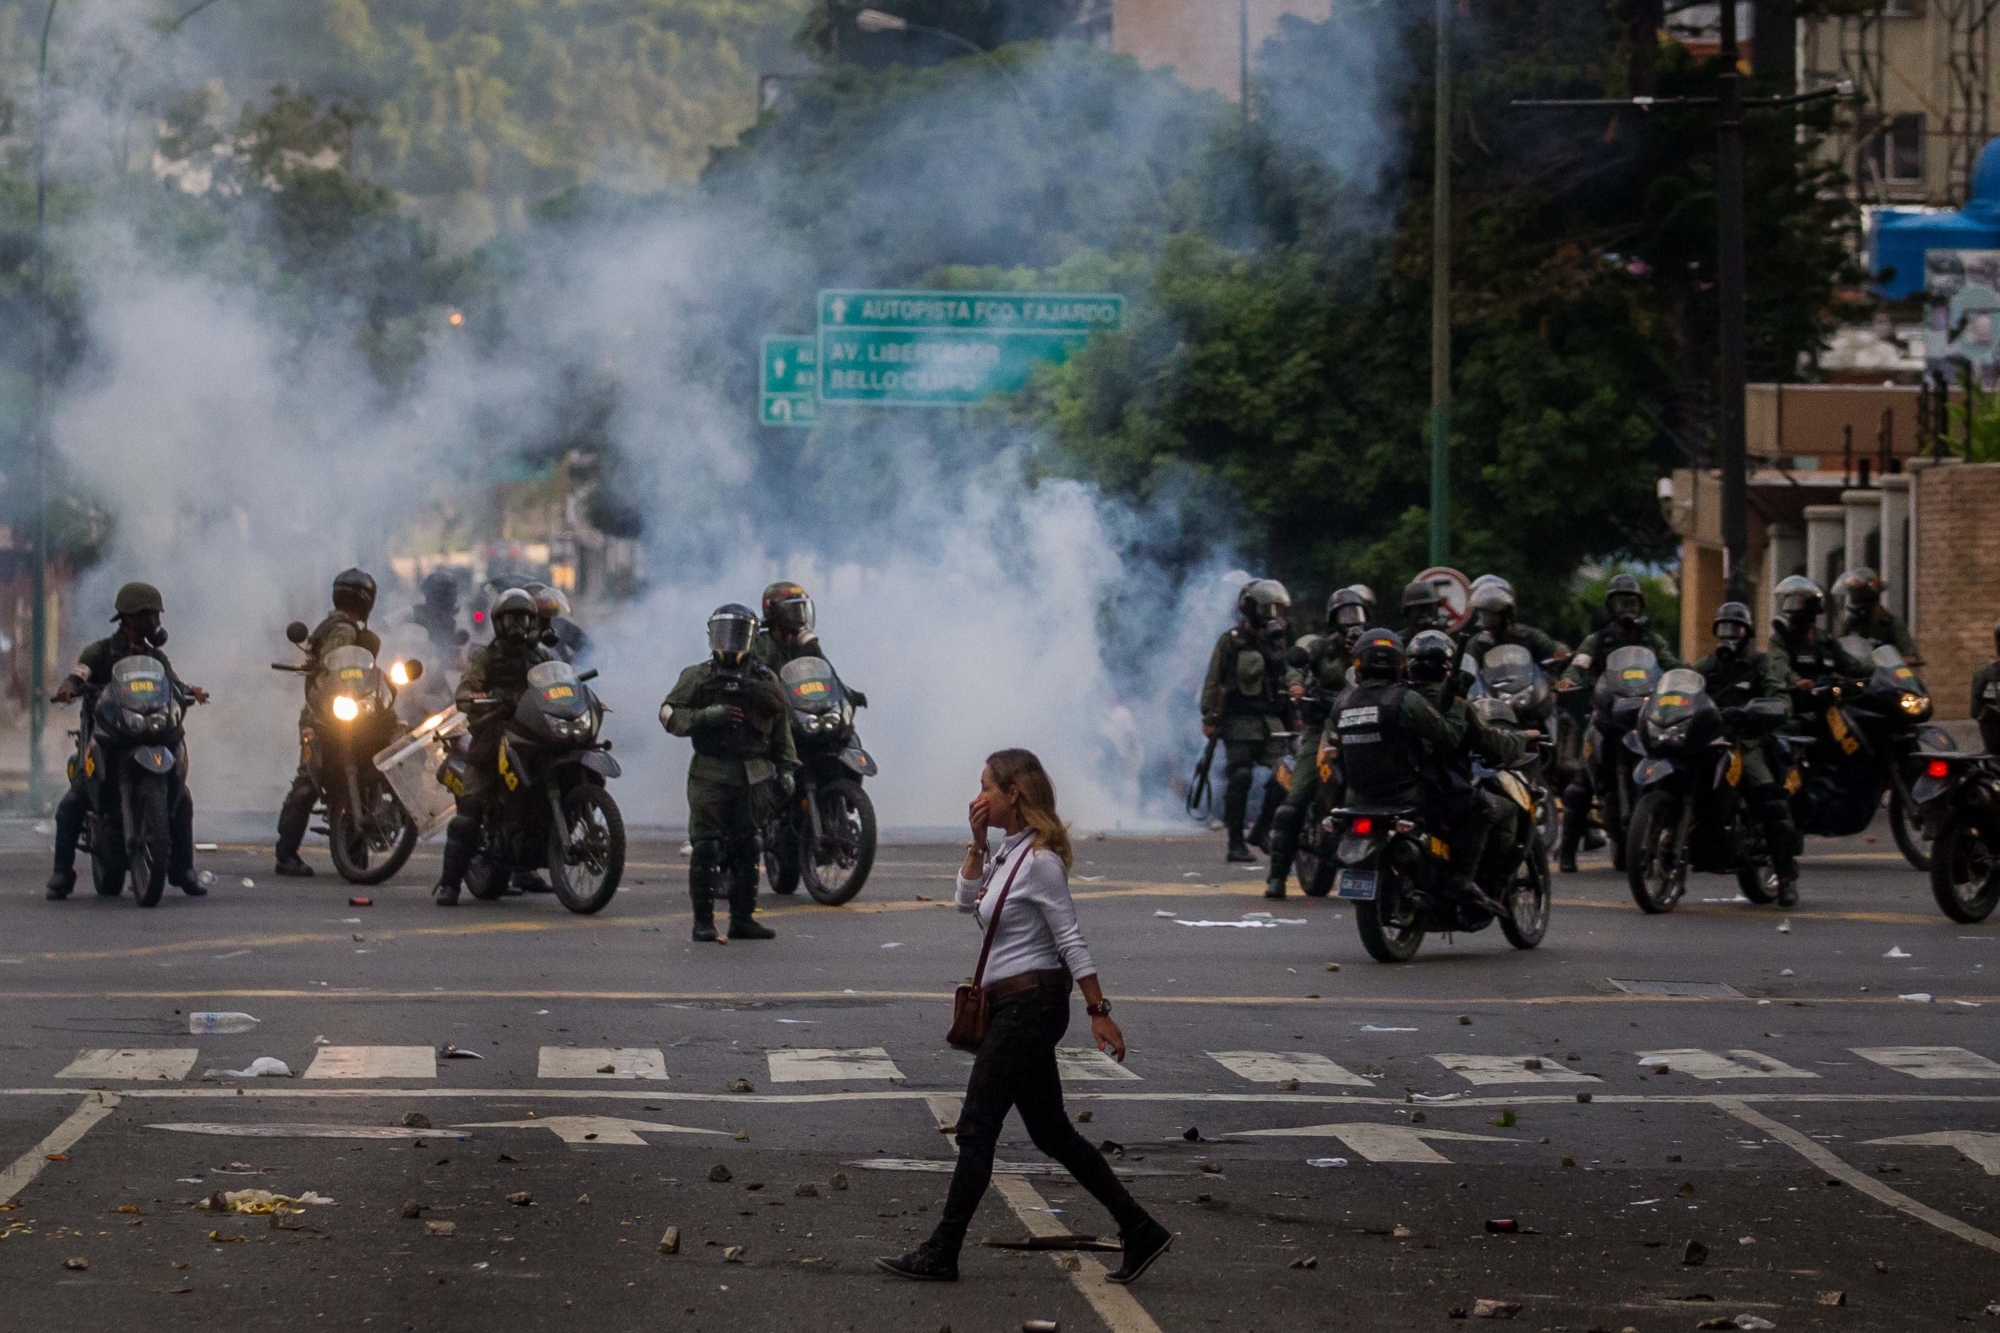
(1423, 734)
(766, 648)
(1812, 656)
(1540, 643)
(1986, 705)
(338, 630)
(1734, 680)
(1879, 625)
(1583, 670)
(1478, 819)
(1241, 699)
(1323, 677)
(733, 780)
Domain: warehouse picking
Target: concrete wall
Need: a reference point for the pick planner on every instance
(1957, 584)
(1201, 39)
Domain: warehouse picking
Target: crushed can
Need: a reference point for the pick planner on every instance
(411, 764)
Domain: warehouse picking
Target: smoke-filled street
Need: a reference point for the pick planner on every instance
(1800, 1134)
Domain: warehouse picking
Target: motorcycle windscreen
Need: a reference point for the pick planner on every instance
(1631, 671)
(560, 693)
(140, 684)
(810, 685)
(1679, 695)
(350, 671)
(1891, 670)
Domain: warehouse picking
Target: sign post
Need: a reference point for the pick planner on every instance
(789, 393)
(944, 348)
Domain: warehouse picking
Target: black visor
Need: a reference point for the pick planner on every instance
(728, 635)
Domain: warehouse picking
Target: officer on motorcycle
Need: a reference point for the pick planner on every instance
(1625, 602)
(1388, 732)
(1811, 657)
(497, 671)
(1241, 701)
(1494, 623)
(1986, 698)
(1475, 820)
(1312, 686)
(562, 636)
(788, 633)
(137, 613)
(1861, 591)
(345, 626)
(1423, 608)
(1736, 674)
(437, 614)
(733, 709)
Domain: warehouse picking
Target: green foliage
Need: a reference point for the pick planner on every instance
(1984, 445)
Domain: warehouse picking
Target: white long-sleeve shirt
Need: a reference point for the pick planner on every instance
(1038, 931)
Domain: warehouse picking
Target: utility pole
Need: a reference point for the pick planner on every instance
(1730, 286)
(1441, 297)
(38, 443)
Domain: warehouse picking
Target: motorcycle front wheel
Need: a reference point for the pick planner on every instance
(586, 876)
(107, 870)
(1909, 833)
(1965, 868)
(1529, 897)
(1305, 860)
(1391, 928)
(1654, 870)
(388, 833)
(844, 853)
(781, 853)
(147, 847)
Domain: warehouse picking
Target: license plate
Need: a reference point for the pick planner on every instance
(1358, 885)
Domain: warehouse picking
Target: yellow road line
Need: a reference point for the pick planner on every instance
(61, 1139)
(1114, 1304)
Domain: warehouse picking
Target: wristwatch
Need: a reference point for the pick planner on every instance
(1102, 1009)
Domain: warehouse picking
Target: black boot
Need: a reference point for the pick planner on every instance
(293, 818)
(1283, 847)
(742, 903)
(1576, 817)
(701, 892)
(1239, 850)
(188, 882)
(446, 895)
(460, 845)
(60, 884)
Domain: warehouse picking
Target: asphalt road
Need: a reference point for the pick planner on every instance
(1763, 1139)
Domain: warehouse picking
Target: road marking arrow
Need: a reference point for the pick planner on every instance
(593, 1128)
(1979, 1145)
(1380, 1143)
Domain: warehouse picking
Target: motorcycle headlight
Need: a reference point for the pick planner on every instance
(398, 675)
(133, 719)
(159, 721)
(1916, 705)
(811, 722)
(345, 708)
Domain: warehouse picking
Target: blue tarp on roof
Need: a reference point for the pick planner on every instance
(1901, 239)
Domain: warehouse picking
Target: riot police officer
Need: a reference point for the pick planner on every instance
(1736, 674)
(1469, 816)
(1625, 603)
(789, 632)
(437, 614)
(1423, 608)
(1986, 698)
(1242, 702)
(1387, 731)
(1494, 623)
(136, 612)
(1811, 656)
(1312, 685)
(345, 626)
(495, 677)
(1861, 592)
(733, 709)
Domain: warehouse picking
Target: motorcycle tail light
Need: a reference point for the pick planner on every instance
(1363, 826)
(1937, 768)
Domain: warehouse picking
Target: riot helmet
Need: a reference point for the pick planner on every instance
(1420, 605)
(788, 610)
(1264, 604)
(440, 589)
(1367, 596)
(1379, 655)
(550, 603)
(730, 630)
(1430, 656)
(354, 593)
(1491, 581)
(513, 616)
(1733, 628)
(1800, 602)
(1494, 605)
(1860, 589)
(1346, 610)
(1625, 600)
(139, 606)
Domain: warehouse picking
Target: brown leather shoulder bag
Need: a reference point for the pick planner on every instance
(969, 1010)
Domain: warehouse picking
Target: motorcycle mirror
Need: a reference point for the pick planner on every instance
(463, 637)
(588, 675)
(413, 669)
(297, 631)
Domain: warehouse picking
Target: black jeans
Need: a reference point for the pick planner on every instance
(1016, 1067)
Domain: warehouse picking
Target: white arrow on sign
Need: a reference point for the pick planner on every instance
(1979, 1145)
(594, 1128)
(1380, 1143)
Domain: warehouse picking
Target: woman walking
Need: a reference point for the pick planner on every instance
(1035, 952)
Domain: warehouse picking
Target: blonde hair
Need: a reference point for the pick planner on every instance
(1024, 778)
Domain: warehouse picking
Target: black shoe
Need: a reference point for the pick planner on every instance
(292, 866)
(1566, 860)
(746, 928)
(189, 883)
(1151, 1241)
(1240, 851)
(1274, 888)
(60, 884)
(1788, 890)
(704, 932)
(1593, 839)
(527, 881)
(922, 1264)
(446, 895)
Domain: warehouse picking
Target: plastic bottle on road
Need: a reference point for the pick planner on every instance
(220, 1022)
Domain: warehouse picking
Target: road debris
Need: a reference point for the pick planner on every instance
(451, 1052)
(1489, 1309)
(444, 1229)
(1921, 997)
(739, 1085)
(1040, 1326)
(839, 1180)
(733, 1254)
(583, 1198)
(1896, 951)
(411, 1208)
(1062, 1242)
(1333, 967)
(205, 1023)
(1084, 1117)
(416, 1120)
(670, 1241)
(1402, 1232)
(1288, 1085)
(1784, 927)
(76, 1265)
(1505, 1226)
(1695, 1255)
(1309, 1263)
(741, 1136)
(521, 1199)
(1324, 1161)
(1832, 1298)
(357, 901)
(221, 1239)
(719, 1174)
(1742, 1321)
(806, 1191)
(264, 1066)
(1191, 1134)
(1465, 1020)
(1506, 1119)
(1583, 1097)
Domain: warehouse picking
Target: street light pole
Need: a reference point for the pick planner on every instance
(38, 443)
(1441, 297)
(1731, 284)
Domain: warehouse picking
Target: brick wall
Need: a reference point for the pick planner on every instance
(1957, 584)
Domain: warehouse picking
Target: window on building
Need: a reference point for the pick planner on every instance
(1892, 149)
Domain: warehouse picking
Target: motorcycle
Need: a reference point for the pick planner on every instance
(550, 808)
(1630, 673)
(1510, 676)
(353, 709)
(134, 757)
(1958, 798)
(1868, 738)
(825, 833)
(1691, 813)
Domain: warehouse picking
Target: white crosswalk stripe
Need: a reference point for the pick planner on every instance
(806, 1066)
(1379, 1143)
(1484, 1069)
(1280, 1066)
(1086, 1063)
(1707, 1064)
(1930, 1061)
(373, 1062)
(602, 1062)
(140, 1063)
